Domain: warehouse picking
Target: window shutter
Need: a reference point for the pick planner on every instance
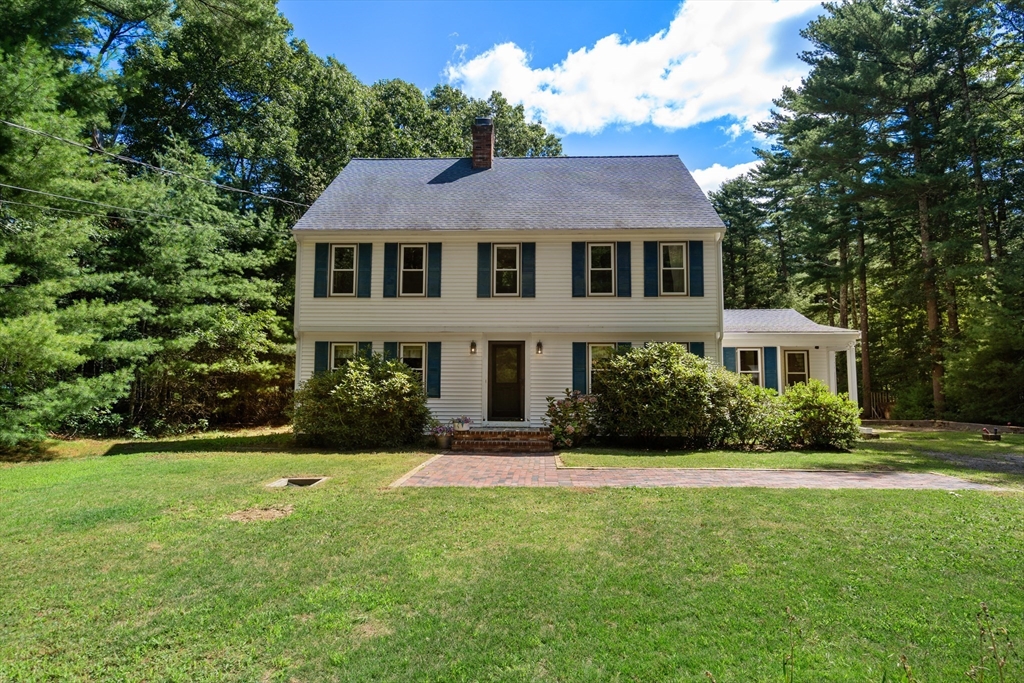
(623, 346)
(433, 369)
(729, 358)
(483, 270)
(579, 268)
(623, 279)
(365, 348)
(390, 350)
(365, 269)
(321, 350)
(697, 349)
(321, 265)
(529, 270)
(696, 268)
(650, 269)
(579, 366)
(771, 367)
(391, 269)
(434, 269)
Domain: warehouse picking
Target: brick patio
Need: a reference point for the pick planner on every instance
(542, 470)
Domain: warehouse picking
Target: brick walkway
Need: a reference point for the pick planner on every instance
(542, 470)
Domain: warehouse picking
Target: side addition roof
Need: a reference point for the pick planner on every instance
(770, 320)
(534, 193)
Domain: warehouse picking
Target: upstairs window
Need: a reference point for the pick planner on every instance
(413, 270)
(506, 270)
(413, 355)
(598, 354)
(673, 268)
(343, 270)
(797, 367)
(600, 271)
(342, 353)
(750, 364)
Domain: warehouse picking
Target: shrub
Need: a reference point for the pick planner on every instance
(760, 417)
(369, 402)
(571, 418)
(823, 419)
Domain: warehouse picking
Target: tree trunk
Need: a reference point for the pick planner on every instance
(952, 313)
(980, 201)
(844, 290)
(865, 354)
(931, 304)
(831, 304)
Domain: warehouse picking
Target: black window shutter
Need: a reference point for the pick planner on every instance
(390, 350)
(729, 357)
(433, 369)
(771, 367)
(650, 269)
(321, 351)
(483, 270)
(391, 269)
(622, 347)
(579, 268)
(579, 366)
(365, 348)
(696, 268)
(624, 279)
(529, 269)
(365, 270)
(323, 255)
(697, 349)
(434, 269)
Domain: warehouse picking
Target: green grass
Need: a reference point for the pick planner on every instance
(125, 567)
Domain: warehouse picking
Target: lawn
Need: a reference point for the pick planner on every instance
(126, 567)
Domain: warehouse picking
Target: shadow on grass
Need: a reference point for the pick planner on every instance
(37, 454)
(263, 443)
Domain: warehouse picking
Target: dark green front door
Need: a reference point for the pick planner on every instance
(507, 381)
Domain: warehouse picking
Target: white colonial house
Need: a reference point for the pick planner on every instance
(503, 280)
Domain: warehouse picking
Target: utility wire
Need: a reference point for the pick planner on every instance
(55, 208)
(86, 201)
(151, 167)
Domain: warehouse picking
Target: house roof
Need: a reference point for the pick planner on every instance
(770, 320)
(534, 193)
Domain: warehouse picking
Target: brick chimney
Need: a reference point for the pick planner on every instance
(483, 142)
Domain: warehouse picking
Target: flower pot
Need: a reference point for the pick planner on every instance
(444, 441)
(461, 426)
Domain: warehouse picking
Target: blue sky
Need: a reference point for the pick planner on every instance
(609, 77)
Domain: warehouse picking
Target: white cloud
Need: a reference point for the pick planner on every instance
(712, 177)
(715, 59)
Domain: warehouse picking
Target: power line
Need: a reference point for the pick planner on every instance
(86, 201)
(151, 167)
(56, 208)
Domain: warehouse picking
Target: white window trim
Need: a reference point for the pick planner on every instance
(590, 360)
(355, 269)
(423, 346)
(760, 364)
(355, 351)
(590, 245)
(685, 269)
(402, 269)
(494, 269)
(785, 366)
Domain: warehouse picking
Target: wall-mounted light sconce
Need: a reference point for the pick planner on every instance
(540, 348)
(472, 347)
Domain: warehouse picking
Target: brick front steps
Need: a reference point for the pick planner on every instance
(485, 440)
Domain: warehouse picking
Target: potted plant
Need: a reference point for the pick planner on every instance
(443, 434)
(461, 423)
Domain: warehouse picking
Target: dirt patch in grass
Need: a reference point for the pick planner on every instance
(371, 628)
(261, 514)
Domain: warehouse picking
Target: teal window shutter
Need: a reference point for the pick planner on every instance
(365, 270)
(323, 255)
(696, 268)
(624, 278)
(391, 350)
(434, 269)
(579, 366)
(697, 349)
(622, 347)
(433, 369)
(365, 348)
(579, 268)
(729, 358)
(650, 269)
(483, 270)
(391, 269)
(771, 367)
(529, 270)
(321, 351)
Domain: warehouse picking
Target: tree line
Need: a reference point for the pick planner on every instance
(890, 201)
(154, 155)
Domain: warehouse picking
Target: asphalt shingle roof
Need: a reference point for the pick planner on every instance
(773, 320)
(515, 193)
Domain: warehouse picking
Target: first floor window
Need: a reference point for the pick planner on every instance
(598, 354)
(750, 364)
(601, 274)
(413, 356)
(413, 269)
(341, 353)
(673, 268)
(343, 270)
(506, 270)
(797, 367)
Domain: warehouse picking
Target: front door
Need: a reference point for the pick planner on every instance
(507, 381)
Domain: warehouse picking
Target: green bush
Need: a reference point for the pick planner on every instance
(823, 419)
(760, 417)
(571, 418)
(369, 402)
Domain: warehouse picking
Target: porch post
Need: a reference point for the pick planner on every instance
(832, 383)
(851, 371)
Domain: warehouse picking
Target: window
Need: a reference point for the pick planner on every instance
(413, 275)
(599, 353)
(506, 270)
(413, 355)
(797, 367)
(342, 353)
(673, 268)
(343, 270)
(750, 364)
(601, 274)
